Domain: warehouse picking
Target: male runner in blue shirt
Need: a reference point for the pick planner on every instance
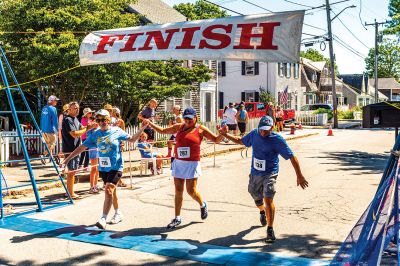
(266, 147)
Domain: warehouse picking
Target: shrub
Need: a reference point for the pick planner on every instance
(324, 111)
(347, 114)
(161, 142)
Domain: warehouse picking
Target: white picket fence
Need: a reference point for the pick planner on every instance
(311, 119)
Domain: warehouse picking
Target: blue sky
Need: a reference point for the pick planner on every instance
(347, 61)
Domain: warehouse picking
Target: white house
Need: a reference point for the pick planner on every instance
(243, 80)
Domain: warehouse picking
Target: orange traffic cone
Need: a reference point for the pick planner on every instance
(300, 126)
(330, 131)
(292, 129)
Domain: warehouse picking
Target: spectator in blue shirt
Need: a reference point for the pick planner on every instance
(49, 125)
(267, 146)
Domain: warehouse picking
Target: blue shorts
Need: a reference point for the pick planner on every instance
(93, 154)
(73, 164)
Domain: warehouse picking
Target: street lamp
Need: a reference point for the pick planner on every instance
(332, 59)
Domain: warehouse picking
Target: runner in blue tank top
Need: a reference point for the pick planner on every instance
(267, 146)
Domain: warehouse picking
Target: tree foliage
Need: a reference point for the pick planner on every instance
(58, 27)
(394, 13)
(200, 10)
(315, 56)
(388, 60)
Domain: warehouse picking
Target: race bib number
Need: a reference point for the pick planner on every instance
(104, 162)
(259, 164)
(184, 152)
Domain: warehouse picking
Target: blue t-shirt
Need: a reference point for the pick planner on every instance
(265, 159)
(49, 119)
(144, 153)
(108, 143)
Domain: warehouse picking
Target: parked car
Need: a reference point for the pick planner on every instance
(316, 106)
(259, 109)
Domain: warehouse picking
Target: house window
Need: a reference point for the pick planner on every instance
(366, 101)
(250, 68)
(249, 96)
(288, 70)
(296, 71)
(329, 100)
(186, 101)
(207, 63)
(360, 102)
(280, 69)
(168, 104)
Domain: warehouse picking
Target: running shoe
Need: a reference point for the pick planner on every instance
(270, 235)
(263, 218)
(117, 218)
(42, 159)
(174, 223)
(56, 160)
(204, 211)
(101, 224)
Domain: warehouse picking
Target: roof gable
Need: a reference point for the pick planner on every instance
(156, 11)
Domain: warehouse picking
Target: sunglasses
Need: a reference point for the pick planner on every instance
(189, 119)
(101, 120)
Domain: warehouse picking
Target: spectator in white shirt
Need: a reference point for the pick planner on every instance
(231, 121)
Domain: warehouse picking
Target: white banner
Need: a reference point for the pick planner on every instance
(273, 37)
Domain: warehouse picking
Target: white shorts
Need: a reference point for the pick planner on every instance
(186, 169)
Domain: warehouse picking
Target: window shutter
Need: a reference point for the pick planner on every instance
(223, 68)
(256, 96)
(221, 100)
(243, 68)
(243, 96)
(256, 68)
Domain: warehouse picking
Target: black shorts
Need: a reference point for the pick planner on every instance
(279, 119)
(149, 132)
(242, 127)
(232, 126)
(111, 177)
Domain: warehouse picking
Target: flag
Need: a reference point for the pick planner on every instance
(283, 99)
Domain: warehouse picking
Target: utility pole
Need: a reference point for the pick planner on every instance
(332, 65)
(376, 24)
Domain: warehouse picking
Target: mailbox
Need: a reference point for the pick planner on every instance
(383, 114)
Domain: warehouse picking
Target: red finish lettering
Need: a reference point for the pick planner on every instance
(131, 42)
(224, 39)
(158, 39)
(107, 40)
(266, 36)
(187, 38)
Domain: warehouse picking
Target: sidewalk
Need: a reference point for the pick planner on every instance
(18, 175)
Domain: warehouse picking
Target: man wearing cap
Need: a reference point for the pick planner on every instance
(230, 115)
(266, 147)
(49, 125)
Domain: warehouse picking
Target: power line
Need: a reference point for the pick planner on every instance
(224, 7)
(351, 32)
(298, 4)
(257, 6)
(347, 47)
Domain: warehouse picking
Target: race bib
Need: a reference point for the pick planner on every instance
(259, 164)
(104, 162)
(183, 152)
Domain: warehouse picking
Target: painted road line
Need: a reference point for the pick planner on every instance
(154, 244)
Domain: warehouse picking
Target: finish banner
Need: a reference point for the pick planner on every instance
(273, 37)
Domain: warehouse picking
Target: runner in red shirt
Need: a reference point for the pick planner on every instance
(186, 165)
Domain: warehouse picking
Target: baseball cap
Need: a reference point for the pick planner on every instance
(189, 113)
(53, 98)
(108, 106)
(87, 110)
(102, 112)
(266, 123)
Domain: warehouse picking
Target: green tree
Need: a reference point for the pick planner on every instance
(315, 56)
(58, 28)
(200, 10)
(394, 13)
(388, 60)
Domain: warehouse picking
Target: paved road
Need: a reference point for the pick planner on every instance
(343, 172)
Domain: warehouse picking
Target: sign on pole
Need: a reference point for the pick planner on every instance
(273, 37)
